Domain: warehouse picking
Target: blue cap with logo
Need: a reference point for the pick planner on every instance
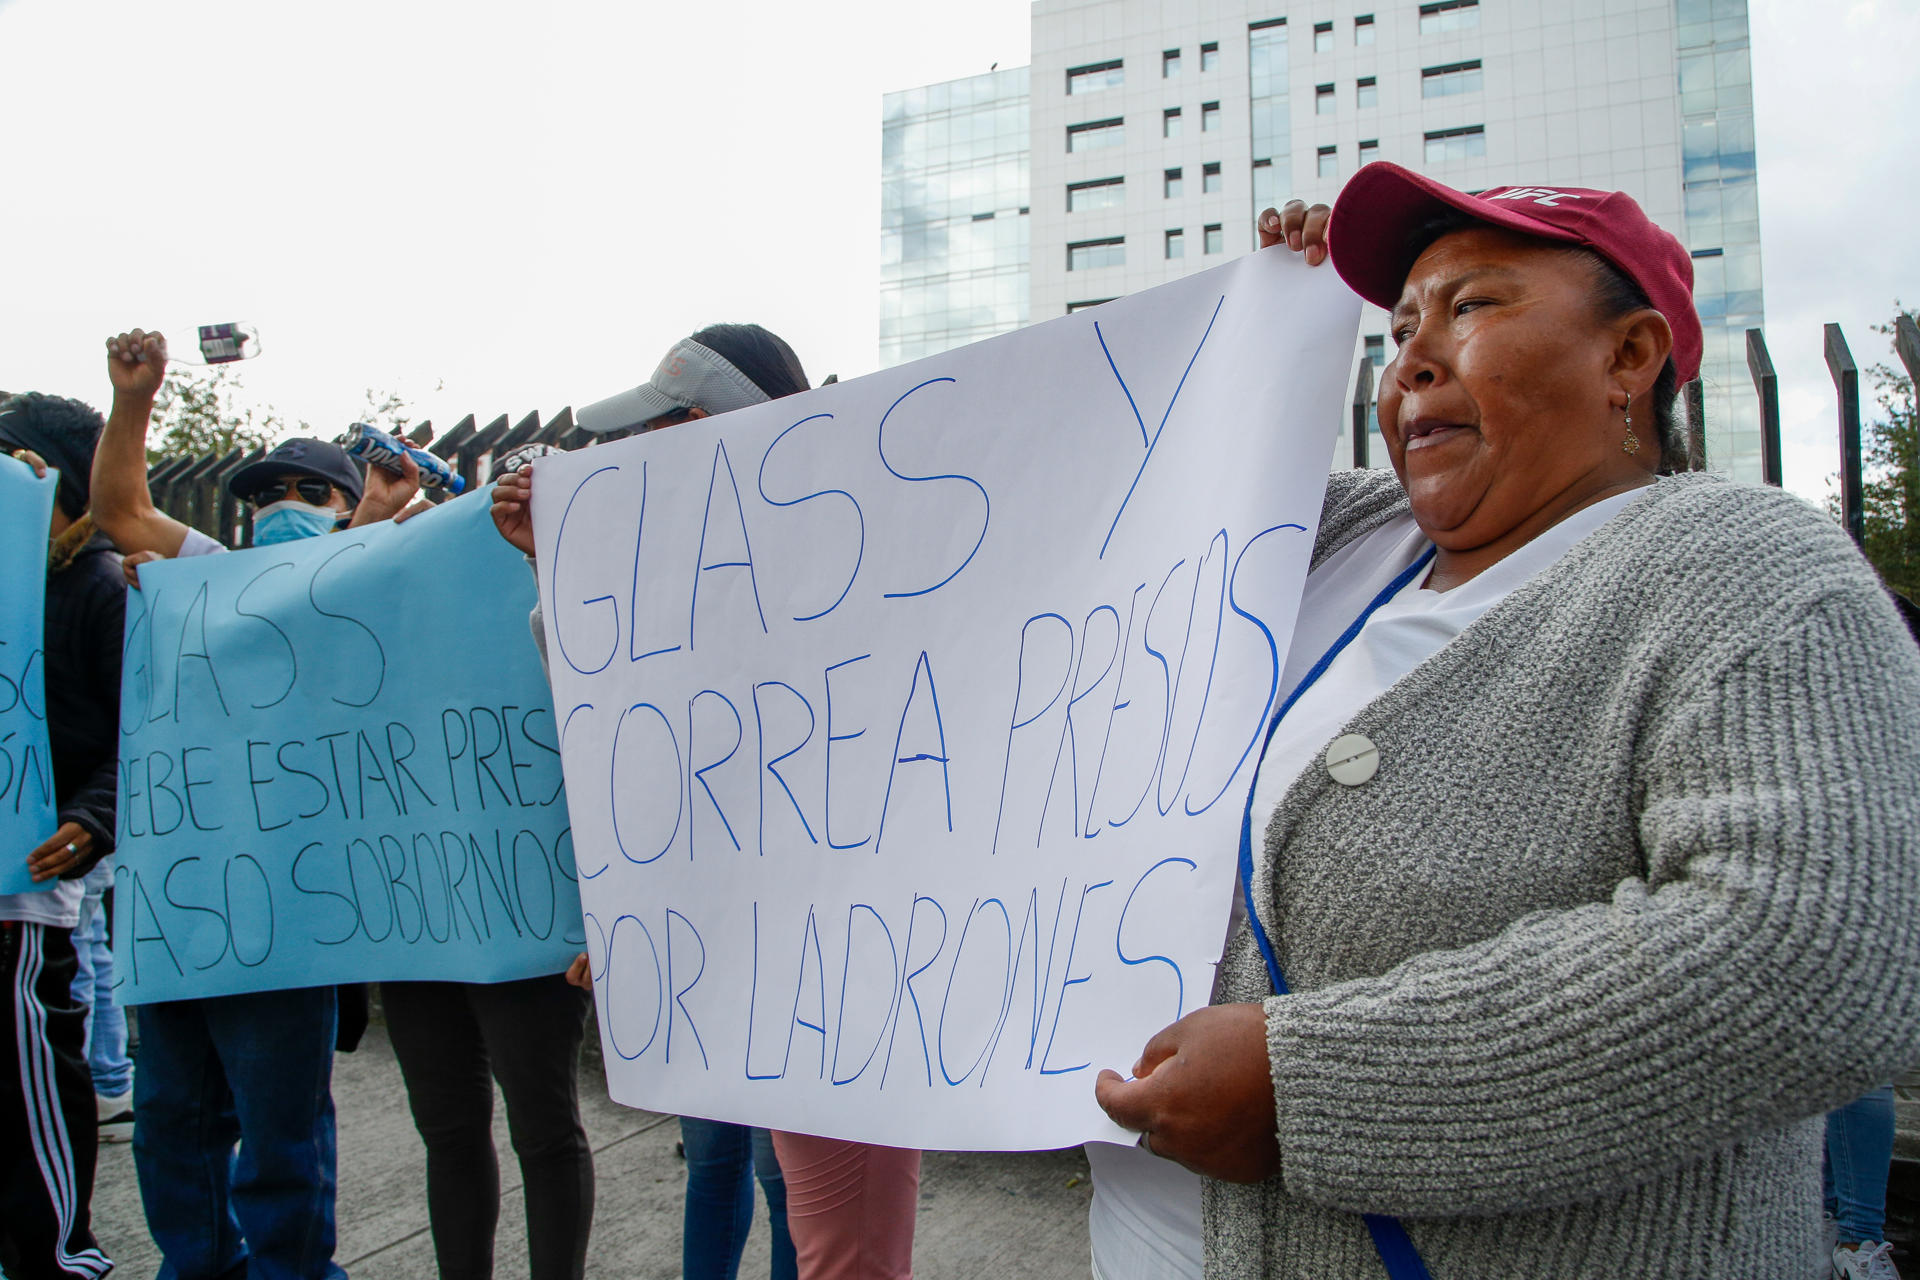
(301, 456)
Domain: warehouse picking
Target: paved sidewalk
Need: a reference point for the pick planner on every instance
(980, 1214)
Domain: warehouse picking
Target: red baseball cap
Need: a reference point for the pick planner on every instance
(1378, 212)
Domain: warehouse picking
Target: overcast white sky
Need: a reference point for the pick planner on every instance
(529, 203)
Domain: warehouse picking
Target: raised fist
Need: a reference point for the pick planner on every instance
(136, 363)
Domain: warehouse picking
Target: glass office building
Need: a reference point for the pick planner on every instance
(953, 222)
(1153, 135)
(1723, 220)
(1272, 126)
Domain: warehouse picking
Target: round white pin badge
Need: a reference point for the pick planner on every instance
(1353, 759)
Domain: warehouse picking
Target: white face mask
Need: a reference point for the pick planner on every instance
(291, 519)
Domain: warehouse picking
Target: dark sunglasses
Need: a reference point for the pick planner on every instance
(312, 490)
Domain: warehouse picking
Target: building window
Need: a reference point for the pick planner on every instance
(1085, 255)
(1449, 15)
(1209, 57)
(1454, 78)
(1269, 112)
(1210, 179)
(1174, 185)
(1101, 75)
(1170, 63)
(1103, 194)
(1323, 37)
(1376, 349)
(1176, 244)
(1094, 135)
(1456, 144)
(1329, 162)
(1090, 302)
(1170, 123)
(1366, 92)
(1323, 100)
(1369, 151)
(1363, 31)
(1209, 116)
(1215, 242)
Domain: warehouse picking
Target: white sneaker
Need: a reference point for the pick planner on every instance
(116, 1116)
(1869, 1260)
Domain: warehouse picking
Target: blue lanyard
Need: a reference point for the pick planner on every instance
(1390, 1240)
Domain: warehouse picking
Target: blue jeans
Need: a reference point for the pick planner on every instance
(1859, 1151)
(722, 1160)
(106, 1039)
(256, 1070)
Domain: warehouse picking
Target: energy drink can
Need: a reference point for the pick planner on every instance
(380, 449)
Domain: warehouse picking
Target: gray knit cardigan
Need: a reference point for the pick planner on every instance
(1631, 902)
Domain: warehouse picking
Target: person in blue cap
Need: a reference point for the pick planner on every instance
(251, 1071)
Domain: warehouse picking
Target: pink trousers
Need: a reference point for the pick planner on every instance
(850, 1207)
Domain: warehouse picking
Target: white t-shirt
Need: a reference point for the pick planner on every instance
(1145, 1218)
(197, 543)
(59, 906)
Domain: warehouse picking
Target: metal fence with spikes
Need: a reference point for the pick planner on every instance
(1766, 386)
(193, 489)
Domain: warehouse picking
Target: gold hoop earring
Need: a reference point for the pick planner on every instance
(1632, 443)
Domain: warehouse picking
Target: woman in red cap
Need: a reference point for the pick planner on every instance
(1581, 869)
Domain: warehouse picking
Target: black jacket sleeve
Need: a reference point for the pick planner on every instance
(93, 641)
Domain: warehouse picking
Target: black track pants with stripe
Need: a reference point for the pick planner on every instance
(48, 1132)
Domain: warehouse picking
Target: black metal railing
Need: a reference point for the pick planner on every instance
(1766, 387)
(193, 489)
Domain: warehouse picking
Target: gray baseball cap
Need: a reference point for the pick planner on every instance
(691, 376)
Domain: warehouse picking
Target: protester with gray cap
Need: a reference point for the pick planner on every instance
(848, 1206)
(702, 375)
(48, 1118)
(450, 1036)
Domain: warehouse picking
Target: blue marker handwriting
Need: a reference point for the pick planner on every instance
(339, 762)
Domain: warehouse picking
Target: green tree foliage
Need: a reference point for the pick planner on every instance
(388, 411)
(199, 412)
(1890, 458)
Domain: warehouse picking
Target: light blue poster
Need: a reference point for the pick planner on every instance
(339, 763)
(27, 815)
